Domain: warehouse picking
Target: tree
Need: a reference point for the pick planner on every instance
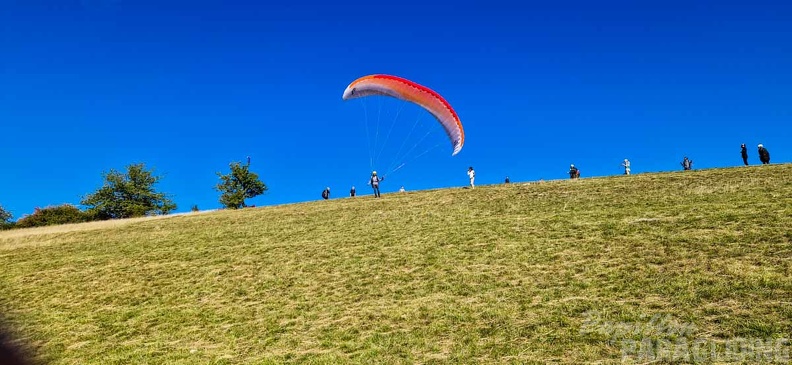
(128, 195)
(239, 185)
(5, 218)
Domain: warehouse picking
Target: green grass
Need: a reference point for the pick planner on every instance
(498, 274)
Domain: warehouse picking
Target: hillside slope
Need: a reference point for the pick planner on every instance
(499, 274)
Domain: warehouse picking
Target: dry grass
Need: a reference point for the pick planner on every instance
(499, 274)
(88, 226)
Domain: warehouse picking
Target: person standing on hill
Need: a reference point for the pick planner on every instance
(507, 180)
(626, 165)
(744, 153)
(374, 182)
(687, 163)
(352, 192)
(764, 155)
(326, 193)
(574, 172)
(472, 175)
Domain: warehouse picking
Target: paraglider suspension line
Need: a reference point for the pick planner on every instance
(368, 140)
(404, 142)
(414, 158)
(416, 145)
(393, 123)
(376, 137)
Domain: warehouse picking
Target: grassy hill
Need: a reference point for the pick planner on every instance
(540, 272)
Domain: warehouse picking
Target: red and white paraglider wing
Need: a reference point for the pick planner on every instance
(404, 89)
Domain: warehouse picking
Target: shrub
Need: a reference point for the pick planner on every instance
(61, 214)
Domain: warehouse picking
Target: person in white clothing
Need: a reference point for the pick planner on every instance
(626, 165)
(472, 176)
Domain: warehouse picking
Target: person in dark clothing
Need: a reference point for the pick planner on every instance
(507, 180)
(374, 182)
(352, 192)
(744, 153)
(764, 155)
(326, 193)
(574, 172)
(687, 163)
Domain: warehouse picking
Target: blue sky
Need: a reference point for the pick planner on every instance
(188, 87)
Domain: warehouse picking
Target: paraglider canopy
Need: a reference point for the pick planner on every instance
(401, 88)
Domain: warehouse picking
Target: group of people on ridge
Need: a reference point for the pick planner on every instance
(764, 157)
(574, 172)
(374, 181)
(687, 163)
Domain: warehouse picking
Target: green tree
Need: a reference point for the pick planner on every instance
(5, 218)
(238, 185)
(128, 195)
(61, 214)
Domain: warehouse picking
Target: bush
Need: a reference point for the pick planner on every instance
(61, 214)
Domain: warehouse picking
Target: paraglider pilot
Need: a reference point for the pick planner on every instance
(374, 182)
(744, 153)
